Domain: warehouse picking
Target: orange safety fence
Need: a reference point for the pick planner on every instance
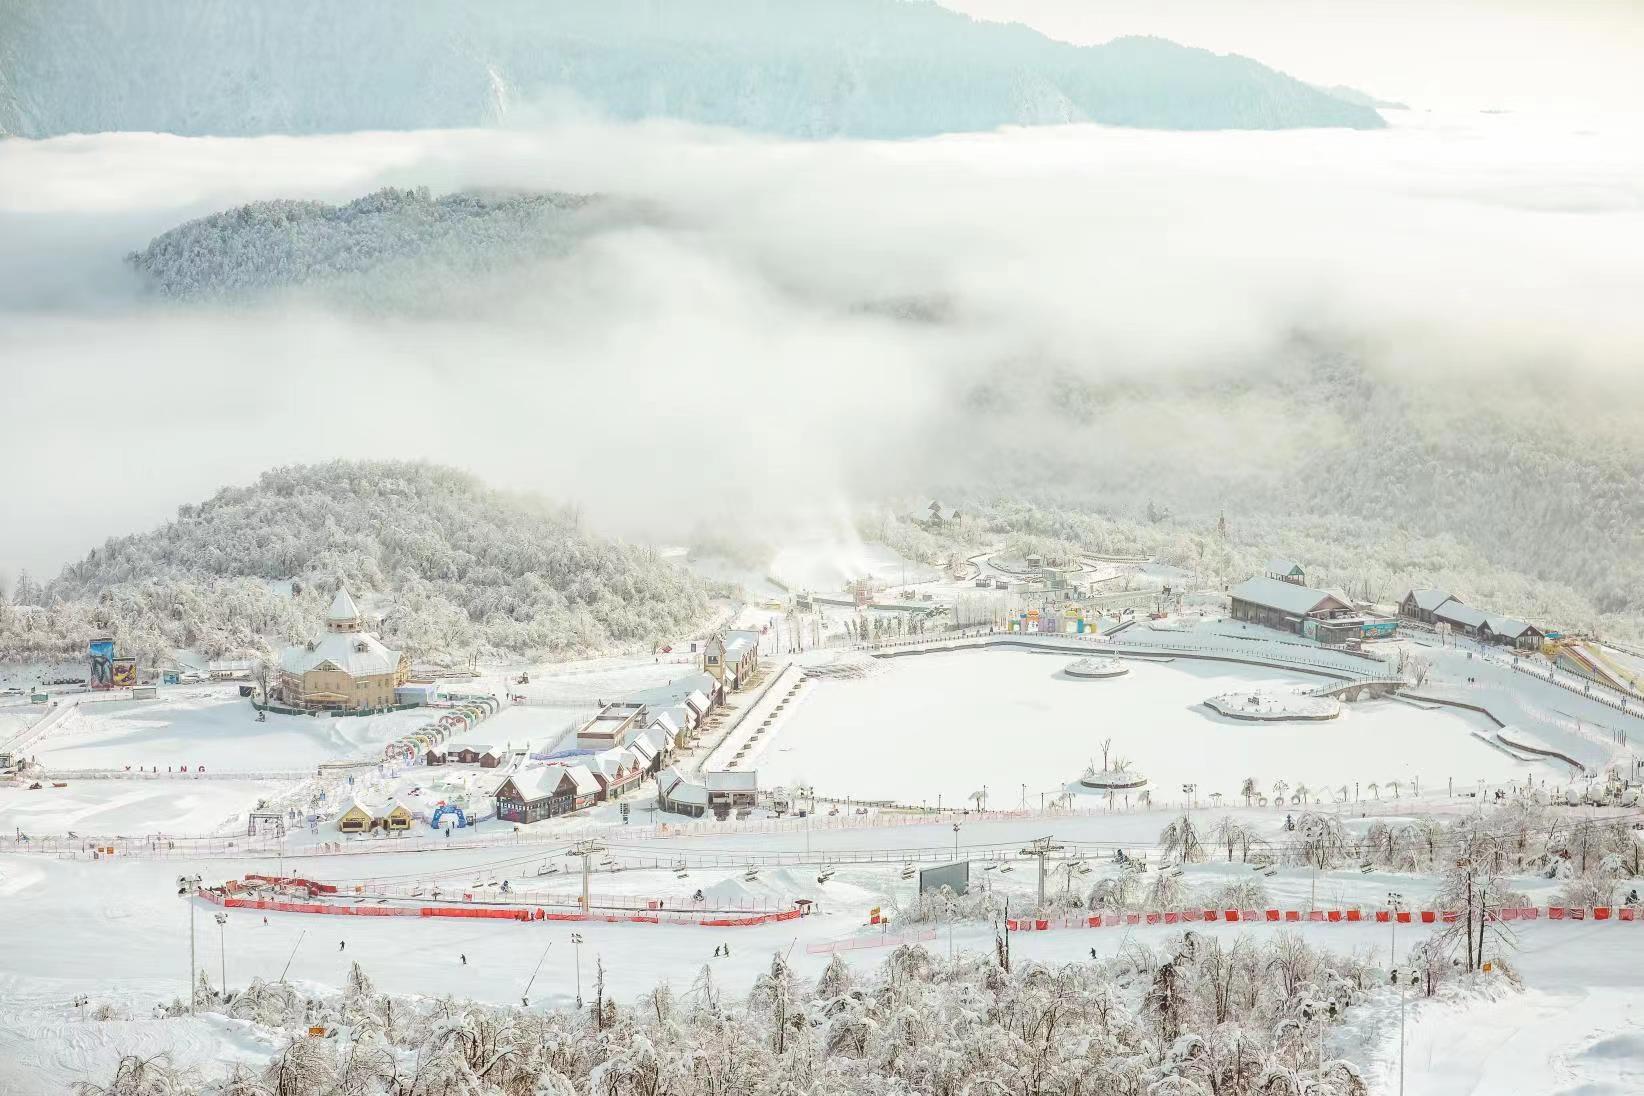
(1333, 916)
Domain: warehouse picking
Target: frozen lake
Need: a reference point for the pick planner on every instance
(947, 724)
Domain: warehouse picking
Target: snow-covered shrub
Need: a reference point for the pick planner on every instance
(1200, 1013)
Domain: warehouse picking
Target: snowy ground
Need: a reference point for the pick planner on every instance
(1273, 707)
(172, 805)
(213, 727)
(117, 932)
(947, 724)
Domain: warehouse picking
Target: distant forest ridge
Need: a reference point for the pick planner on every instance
(857, 68)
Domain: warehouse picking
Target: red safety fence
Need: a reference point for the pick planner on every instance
(502, 913)
(292, 881)
(1402, 917)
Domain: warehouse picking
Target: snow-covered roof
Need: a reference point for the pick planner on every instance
(535, 783)
(1427, 600)
(477, 747)
(1455, 612)
(673, 785)
(343, 610)
(664, 724)
(357, 654)
(1287, 597)
(641, 751)
(584, 779)
(699, 702)
(1511, 627)
(1278, 565)
(373, 808)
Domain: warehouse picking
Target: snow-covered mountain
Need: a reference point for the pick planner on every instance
(386, 245)
(444, 565)
(805, 68)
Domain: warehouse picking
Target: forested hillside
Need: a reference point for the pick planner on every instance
(442, 564)
(1377, 480)
(392, 245)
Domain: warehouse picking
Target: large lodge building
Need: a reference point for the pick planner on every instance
(348, 669)
(1292, 607)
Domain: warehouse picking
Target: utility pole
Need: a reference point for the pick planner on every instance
(1040, 849)
(186, 886)
(586, 850)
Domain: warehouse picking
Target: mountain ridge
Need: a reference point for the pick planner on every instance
(854, 68)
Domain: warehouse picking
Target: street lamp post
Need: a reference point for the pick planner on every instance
(1395, 901)
(1402, 986)
(186, 885)
(576, 938)
(222, 949)
(956, 840)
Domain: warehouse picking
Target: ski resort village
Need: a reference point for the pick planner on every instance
(1094, 767)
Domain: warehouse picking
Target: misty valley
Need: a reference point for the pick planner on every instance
(834, 548)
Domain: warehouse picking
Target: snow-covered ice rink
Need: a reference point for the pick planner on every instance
(946, 724)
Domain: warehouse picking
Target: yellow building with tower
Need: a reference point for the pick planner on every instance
(348, 669)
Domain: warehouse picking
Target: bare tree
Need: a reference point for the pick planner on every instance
(1181, 839)
(1227, 832)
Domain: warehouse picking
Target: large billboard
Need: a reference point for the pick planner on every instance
(101, 674)
(955, 875)
(125, 673)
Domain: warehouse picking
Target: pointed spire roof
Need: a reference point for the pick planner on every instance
(343, 614)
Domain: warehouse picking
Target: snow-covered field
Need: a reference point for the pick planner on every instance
(131, 808)
(117, 932)
(947, 724)
(214, 728)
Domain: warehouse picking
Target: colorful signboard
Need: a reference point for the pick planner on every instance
(124, 674)
(101, 673)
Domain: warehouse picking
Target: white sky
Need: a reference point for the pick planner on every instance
(1562, 55)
